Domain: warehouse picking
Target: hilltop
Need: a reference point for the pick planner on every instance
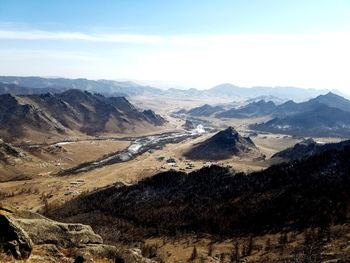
(223, 145)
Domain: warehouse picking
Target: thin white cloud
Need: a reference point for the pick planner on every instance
(33, 54)
(78, 36)
(187, 40)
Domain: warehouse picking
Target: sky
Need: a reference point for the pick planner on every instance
(182, 43)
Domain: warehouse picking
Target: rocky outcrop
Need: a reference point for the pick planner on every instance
(189, 125)
(22, 231)
(154, 118)
(8, 149)
(134, 255)
(224, 145)
(13, 239)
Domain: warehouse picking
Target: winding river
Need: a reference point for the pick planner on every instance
(137, 147)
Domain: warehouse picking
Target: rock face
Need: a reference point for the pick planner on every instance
(223, 145)
(44, 231)
(14, 239)
(21, 231)
(154, 118)
(8, 149)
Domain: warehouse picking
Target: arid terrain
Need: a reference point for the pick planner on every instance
(168, 176)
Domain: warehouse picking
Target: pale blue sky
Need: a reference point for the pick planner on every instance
(193, 43)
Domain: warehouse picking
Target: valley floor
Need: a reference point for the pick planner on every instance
(41, 186)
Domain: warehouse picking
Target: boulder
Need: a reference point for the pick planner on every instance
(22, 232)
(13, 239)
(134, 255)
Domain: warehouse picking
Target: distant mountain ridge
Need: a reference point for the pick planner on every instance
(253, 109)
(205, 110)
(17, 90)
(128, 88)
(322, 121)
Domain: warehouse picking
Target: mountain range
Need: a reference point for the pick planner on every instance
(324, 115)
(262, 107)
(253, 109)
(322, 121)
(70, 111)
(128, 88)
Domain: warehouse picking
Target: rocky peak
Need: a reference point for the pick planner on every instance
(223, 145)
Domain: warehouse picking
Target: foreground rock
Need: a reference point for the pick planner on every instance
(13, 238)
(22, 233)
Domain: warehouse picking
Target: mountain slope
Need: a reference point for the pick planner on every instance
(205, 110)
(223, 145)
(322, 121)
(72, 110)
(308, 148)
(330, 99)
(311, 192)
(252, 109)
(16, 119)
(333, 100)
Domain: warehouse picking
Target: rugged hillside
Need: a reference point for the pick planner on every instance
(333, 100)
(263, 107)
(72, 110)
(223, 145)
(330, 99)
(9, 157)
(301, 150)
(267, 98)
(322, 121)
(205, 110)
(311, 192)
(307, 148)
(252, 109)
(17, 119)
